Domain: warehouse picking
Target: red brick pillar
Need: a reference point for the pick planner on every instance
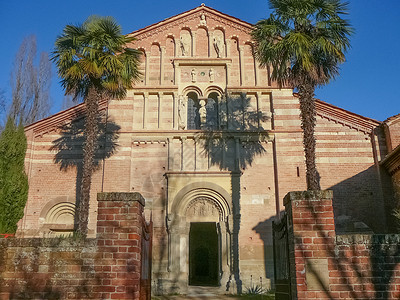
(119, 229)
(311, 232)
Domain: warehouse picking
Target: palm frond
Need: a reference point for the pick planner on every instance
(94, 54)
(303, 37)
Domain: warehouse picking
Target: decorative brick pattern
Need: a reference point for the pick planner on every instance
(108, 267)
(329, 266)
(147, 140)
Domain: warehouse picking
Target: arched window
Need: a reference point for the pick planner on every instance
(59, 219)
(212, 111)
(193, 116)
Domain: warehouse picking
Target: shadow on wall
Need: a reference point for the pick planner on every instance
(239, 122)
(69, 147)
(264, 230)
(40, 272)
(361, 266)
(358, 209)
(361, 204)
(233, 148)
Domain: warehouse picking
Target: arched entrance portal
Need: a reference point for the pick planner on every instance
(203, 254)
(203, 217)
(199, 223)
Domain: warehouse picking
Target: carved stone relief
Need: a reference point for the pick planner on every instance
(218, 46)
(212, 75)
(203, 112)
(203, 74)
(185, 43)
(193, 75)
(163, 29)
(203, 207)
(203, 20)
(182, 113)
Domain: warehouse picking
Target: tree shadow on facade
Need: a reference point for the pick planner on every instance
(358, 265)
(363, 264)
(367, 200)
(40, 270)
(355, 274)
(264, 230)
(232, 146)
(362, 203)
(69, 147)
(26, 264)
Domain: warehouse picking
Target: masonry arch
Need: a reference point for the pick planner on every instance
(213, 110)
(200, 215)
(143, 65)
(58, 217)
(193, 110)
(170, 49)
(219, 44)
(202, 42)
(214, 89)
(186, 42)
(192, 88)
(202, 189)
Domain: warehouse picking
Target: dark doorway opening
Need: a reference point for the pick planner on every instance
(203, 254)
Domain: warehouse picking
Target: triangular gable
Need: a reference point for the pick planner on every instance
(392, 120)
(345, 117)
(392, 161)
(55, 121)
(189, 15)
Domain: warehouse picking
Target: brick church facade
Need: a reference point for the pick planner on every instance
(213, 145)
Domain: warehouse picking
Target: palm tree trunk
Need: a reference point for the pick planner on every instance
(308, 113)
(89, 149)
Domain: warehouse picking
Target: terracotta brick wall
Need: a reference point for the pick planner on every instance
(329, 266)
(108, 267)
(392, 131)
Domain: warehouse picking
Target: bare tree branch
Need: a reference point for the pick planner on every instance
(68, 102)
(30, 84)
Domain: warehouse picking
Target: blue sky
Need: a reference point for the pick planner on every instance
(367, 84)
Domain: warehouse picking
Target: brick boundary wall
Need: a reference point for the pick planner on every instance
(108, 267)
(324, 265)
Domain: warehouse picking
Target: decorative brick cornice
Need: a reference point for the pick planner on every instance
(344, 117)
(392, 161)
(184, 17)
(393, 119)
(55, 121)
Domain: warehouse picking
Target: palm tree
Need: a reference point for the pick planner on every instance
(304, 41)
(94, 64)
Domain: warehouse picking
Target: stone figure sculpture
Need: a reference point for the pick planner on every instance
(211, 74)
(218, 46)
(184, 43)
(203, 20)
(202, 112)
(193, 74)
(181, 113)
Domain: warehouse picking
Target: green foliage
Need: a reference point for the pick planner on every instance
(255, 290)
(304, 42)
(396, 216)
(13, 180)
(95, 55)
(94, 62)
(303, 38)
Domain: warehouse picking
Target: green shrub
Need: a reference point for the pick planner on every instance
(13, 180)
